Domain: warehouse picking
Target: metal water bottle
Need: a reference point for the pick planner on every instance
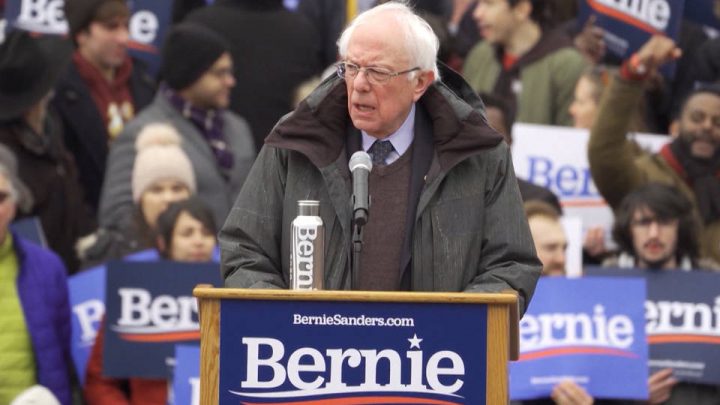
(307, 255)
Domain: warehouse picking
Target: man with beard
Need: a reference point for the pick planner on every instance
(197, 72)
(656, 228)
(690, 163)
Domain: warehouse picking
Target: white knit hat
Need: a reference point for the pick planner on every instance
(160, 157)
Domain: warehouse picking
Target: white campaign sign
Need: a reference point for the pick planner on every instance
(573, 253)
(556, 158)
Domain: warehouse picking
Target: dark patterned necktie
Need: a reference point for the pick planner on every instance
(380, 151)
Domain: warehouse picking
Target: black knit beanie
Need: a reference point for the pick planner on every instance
(189, 51)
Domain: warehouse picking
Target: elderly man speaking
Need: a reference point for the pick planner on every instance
(446, 213)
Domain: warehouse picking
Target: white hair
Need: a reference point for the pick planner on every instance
(420, 41)
(12, 188)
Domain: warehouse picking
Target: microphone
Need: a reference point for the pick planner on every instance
(360, 167)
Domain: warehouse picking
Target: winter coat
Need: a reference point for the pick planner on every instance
(49, 172)
(101, 390)
(466, 230)
(542, 81)
(116, 204)
(618, 167)
(84, 131)
(42, 288)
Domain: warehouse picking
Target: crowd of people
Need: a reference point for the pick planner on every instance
(112, 159)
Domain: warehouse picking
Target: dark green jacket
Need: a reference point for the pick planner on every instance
(542, 82)
(467, 231)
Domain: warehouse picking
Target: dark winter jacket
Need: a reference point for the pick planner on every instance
(83, 129)
(465, 227)
(49, 172)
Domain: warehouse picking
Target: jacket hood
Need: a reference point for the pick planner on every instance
(319, 126)
(548, 43)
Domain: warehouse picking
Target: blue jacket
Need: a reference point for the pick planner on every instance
(43, 292)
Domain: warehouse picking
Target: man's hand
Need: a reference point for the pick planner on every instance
(660, 386)
(590, 41)
(657, 51)
(569, 393)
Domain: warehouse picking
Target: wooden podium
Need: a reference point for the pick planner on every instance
(435, 317)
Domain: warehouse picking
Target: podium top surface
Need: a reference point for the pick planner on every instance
(202, 291)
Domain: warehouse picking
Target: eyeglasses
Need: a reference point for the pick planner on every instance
(375, 75)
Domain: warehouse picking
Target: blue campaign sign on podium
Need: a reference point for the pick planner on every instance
(276, 351)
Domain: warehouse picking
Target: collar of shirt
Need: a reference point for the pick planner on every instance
(400, 139)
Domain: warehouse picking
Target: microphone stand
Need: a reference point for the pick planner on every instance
(357, 249)
(360, 218)
(360, 166)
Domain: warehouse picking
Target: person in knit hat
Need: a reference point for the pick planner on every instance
(102, 89)
(197, 73)
(161, 174)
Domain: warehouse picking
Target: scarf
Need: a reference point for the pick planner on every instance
(702, 175)
(112, 98)
(211, 125)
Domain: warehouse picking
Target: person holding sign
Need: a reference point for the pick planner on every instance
(551, 243)
(689, 163)
(446, 212)
(185, 233)
(521, 60)
(655, 229)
